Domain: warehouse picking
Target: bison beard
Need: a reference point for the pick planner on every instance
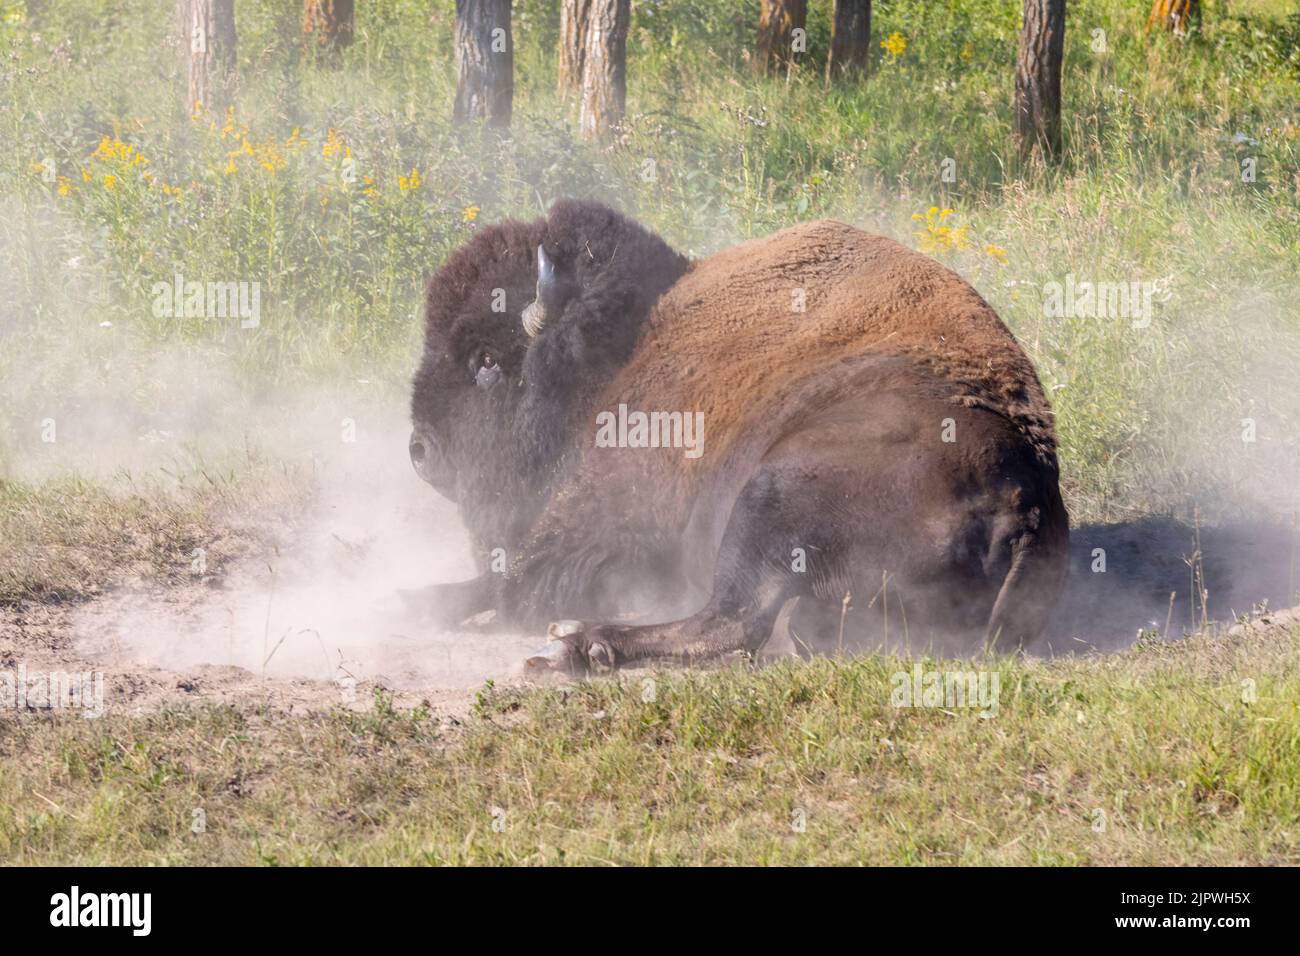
(879, 446)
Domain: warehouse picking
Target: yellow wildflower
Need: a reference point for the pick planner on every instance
(333, 144)
(470, 213)
(409, 182)
(268, 157)
(117, 152)
(894, 45)
(110, 182)
(938, 236)
(996, 252)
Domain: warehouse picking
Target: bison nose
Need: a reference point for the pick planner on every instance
(417, 452)
(429, 461)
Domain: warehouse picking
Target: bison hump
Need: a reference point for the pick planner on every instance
(762, 319)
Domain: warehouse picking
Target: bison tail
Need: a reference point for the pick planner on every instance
(1032, 585)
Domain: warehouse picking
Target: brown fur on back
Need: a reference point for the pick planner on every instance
(727, 339)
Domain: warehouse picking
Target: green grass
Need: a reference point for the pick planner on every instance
(71, 539)
(1146, 757)
(1150, 188)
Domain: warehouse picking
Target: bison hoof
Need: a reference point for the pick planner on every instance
(551, 659)
(573, 648)
(600, 657)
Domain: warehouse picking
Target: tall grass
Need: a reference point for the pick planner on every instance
(341, 189)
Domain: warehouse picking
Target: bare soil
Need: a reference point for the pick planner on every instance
(302, 635)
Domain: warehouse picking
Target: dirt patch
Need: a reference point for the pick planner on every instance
(38, 641)
(316, 626)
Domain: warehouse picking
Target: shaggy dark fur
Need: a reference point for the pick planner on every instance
(864, 408)
(619, 269)
(523, 427)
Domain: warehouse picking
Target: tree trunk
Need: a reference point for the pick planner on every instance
(328, 25)
(775, 50)
(208, 43)
(485, 62)
(573, 42)
(1177, 16)
(850, 39)
(604, 72)
(1038, 78)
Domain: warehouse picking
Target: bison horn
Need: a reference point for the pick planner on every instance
(534, 318)
(534, 315)
(545, 269)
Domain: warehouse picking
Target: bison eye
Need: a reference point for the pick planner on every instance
(486, 371)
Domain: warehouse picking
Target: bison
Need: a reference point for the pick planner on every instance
(657, 455)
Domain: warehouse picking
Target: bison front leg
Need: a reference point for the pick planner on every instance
(578, 647)
(750, 586)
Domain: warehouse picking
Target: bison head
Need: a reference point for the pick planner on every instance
(523, 326)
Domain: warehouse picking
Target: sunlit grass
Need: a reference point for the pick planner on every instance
(1162, 755)
(339, 190)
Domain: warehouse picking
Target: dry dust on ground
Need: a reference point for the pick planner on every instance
(46, 640)
(315, 624)
(317, 627)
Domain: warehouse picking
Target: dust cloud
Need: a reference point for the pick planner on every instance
(324, 605)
